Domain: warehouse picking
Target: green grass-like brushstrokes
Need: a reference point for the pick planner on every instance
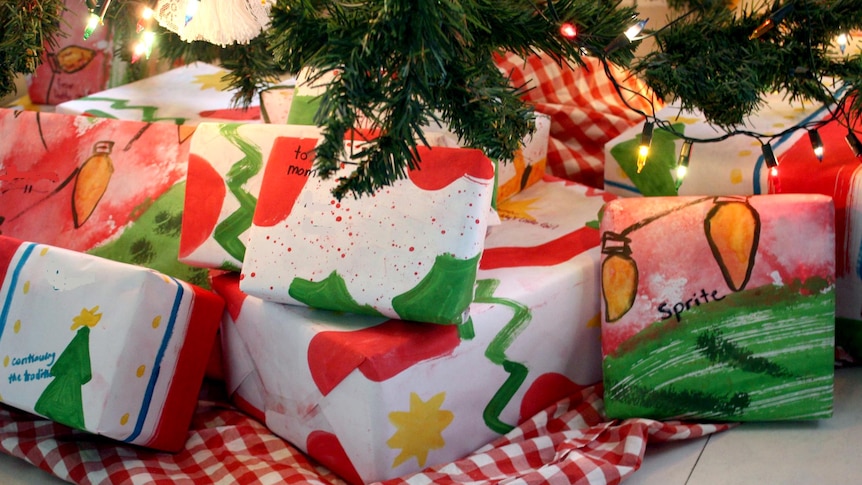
(740, 359)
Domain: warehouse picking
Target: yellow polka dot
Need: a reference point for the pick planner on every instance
(26, 287)
(736, 176)
(17, 326)
(124, 419)
(141, 370)
(157, 321)
(744, 153)
(778, 125)
(43, 252)
(6, 361)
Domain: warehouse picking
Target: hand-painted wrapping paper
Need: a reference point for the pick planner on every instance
(736, 167)
(410, 251)
(225, 169)
(184, 95)
(719, 308)
(75, 67)
(113, 188)
(102, 346)
(374, 398)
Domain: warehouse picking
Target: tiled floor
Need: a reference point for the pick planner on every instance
(807, 453)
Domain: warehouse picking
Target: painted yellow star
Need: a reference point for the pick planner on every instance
(516, 209)
(87, 318)
(420, 429)
(212, 81)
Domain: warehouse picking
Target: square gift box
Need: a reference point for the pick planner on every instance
(113, 188)
(106, 347)
(719, 308)
(185, 95)
(372, 398)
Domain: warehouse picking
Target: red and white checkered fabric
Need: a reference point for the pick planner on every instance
(569, 443)
(585, 109)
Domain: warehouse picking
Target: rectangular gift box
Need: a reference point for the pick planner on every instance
(102, 346)
(372, 398)
(75, 67)
(185, 95)
(113, 188)
(719, 308)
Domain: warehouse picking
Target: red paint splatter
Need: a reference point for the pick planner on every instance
(441, 166)
(324, 447)
(548, 254)
(205, 193)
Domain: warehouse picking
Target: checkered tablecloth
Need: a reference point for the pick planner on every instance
(585, 108)
(571, 442)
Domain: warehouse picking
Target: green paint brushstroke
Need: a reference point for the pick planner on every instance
(329, 294)
(772, 345)
(148, 113)
(303, 109)
(496, 353)
(227, 232)
(443, 294)
(152, 238)
(655, 179)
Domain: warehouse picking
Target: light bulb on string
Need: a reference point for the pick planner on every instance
(144, 20)
(568, 30)
(816, 143)
(854, 143)
(96, 19)
(769, 159)
(842, 42)
(92, 23)
(626, 37)
(682, 162)
(138, 51)
(776, 18)
(635, 30)
(643, 148)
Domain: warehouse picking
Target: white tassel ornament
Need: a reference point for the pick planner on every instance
(220, 22)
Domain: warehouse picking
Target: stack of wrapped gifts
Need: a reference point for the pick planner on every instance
(385, 334)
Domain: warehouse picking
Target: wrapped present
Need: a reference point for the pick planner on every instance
(108, 187)
(719, 308)
(373, 398)
(410, 251)
(184, 95)
(102, 346)
(736, 167)
(74, 66)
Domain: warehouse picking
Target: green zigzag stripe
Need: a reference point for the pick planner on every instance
(496, 353)
(443, 294)
(227, 232)
(147, 112)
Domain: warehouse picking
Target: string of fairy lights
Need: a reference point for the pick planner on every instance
(837, 110)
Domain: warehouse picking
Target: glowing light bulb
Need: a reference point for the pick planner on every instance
(842, 42)
(682, 162)
(138, 51)
(92, 23)
(568, 30)
(643, 149)
(149, 39)
(636, 29)
(816, 144)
